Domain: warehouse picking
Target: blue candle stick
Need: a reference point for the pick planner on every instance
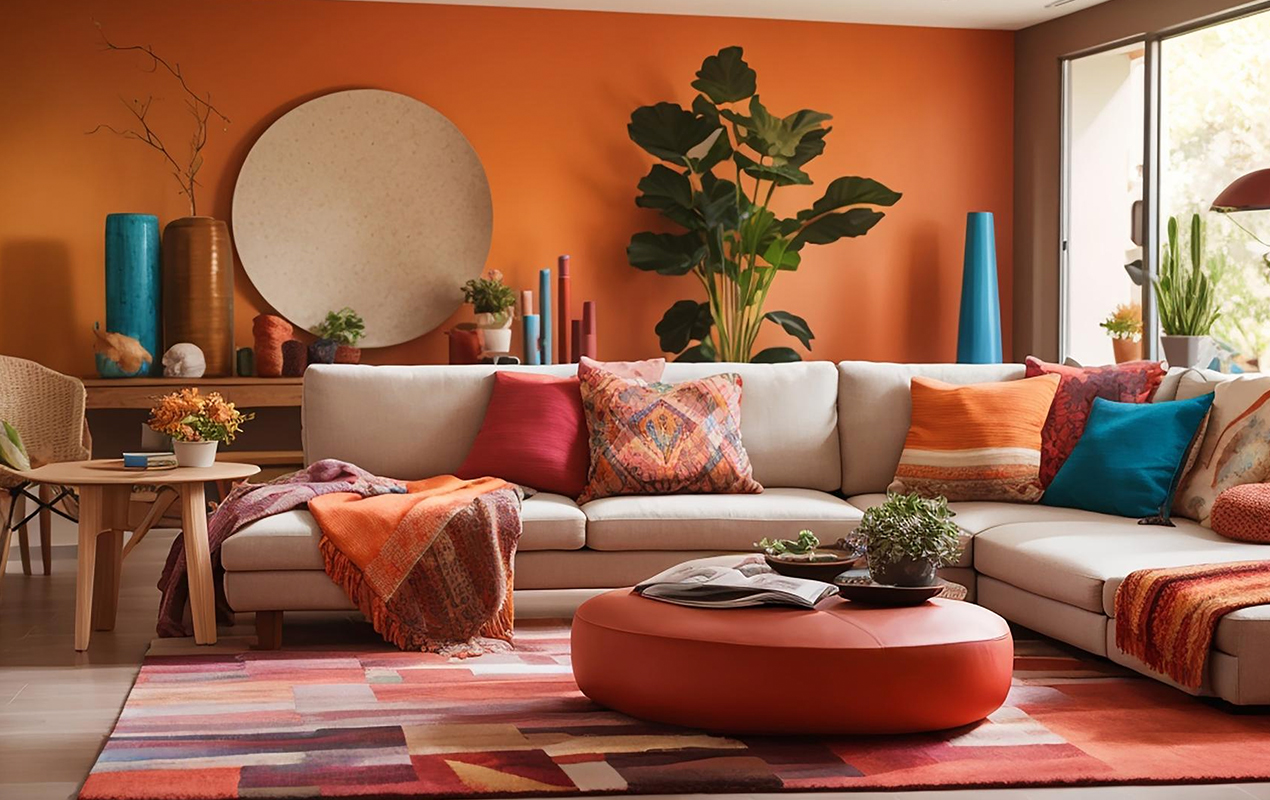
(544, 312)
(533, 348)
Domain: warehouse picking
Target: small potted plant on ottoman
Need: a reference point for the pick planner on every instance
(907, 538)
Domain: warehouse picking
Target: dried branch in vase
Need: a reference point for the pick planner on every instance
(199, 106)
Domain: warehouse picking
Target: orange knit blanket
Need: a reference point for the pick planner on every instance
(431, 568)
(1167, 617)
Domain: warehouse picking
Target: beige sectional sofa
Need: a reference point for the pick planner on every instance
(824, 440)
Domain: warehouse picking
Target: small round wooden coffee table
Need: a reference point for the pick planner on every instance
(105, 489)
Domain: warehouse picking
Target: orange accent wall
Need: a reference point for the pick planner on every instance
(544, 97)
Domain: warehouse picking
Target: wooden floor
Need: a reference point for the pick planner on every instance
(57, 707)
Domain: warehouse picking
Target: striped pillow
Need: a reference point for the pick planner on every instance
(976, 442)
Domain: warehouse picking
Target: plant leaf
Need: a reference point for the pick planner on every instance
(811, 145)
(668, 131)
(779, 255)
(703, 159)
(794, 325)
(701, 353)
(726, 78)
(666, 253)
(684, 322)
(832, 227)
(670, 192)
(717, 204)
(851, 191)
(776, 355)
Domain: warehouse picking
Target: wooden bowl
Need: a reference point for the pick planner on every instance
(814, 570)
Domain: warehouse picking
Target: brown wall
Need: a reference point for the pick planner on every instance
(1038, 51)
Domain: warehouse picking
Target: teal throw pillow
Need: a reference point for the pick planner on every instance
(1129, 459)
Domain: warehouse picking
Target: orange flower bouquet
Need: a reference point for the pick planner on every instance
(196, 423)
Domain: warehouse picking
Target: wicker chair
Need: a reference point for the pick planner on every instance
(47, 409)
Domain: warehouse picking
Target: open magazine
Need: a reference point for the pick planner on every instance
(750, 582)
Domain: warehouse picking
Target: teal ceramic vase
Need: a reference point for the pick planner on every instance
(979, 331)
(132, 287)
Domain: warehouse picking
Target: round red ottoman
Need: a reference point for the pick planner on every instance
(838, 669)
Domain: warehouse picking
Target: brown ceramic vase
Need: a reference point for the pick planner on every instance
(198, 290)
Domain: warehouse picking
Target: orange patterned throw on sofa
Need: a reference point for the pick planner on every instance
(976, 442)
(432, 568)
(1166, 618)
(661, 438)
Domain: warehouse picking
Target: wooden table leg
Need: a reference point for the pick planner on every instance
(90, 524)
(198, 562)
(114, 522)
(46, 528)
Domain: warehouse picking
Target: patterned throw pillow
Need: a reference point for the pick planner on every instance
(1236, 447)
(660, 438)
(1243, 513)
(976, 442)
(1131, 382)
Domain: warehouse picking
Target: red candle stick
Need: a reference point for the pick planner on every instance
(575, 338)
(589, 332)
(562, 311)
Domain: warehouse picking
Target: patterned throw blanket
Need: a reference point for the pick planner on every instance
(432, 568)
(244, 505)
(1167, 617)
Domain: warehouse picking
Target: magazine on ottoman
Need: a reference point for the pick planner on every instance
(750, 582)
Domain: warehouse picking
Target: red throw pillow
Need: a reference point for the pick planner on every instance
(1131, 382)
(534, 434)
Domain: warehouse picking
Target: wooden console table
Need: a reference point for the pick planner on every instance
(242, 392)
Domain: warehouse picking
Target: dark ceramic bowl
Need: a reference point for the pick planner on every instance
(815, 570)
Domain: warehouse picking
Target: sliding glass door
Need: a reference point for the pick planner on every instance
(1154, 129)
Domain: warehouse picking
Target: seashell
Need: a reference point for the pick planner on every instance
(184, 360)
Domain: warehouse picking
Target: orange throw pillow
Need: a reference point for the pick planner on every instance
(661, 438)
(976, 442)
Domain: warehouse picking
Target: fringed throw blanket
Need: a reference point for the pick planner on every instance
(432, 568)
(1167, 617)
(244, 505)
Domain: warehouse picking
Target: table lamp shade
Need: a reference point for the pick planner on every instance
(1250, 192)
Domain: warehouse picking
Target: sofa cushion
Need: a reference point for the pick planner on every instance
(715, 521)
(290, 540)
(1082, 559)
(789, 419)
(875, 407)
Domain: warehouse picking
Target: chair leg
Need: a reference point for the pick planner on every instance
(6, 501)
(268, 630)
(46, 528)
(24, 541)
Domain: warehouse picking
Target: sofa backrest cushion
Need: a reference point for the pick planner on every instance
(875, 408)
(413, 422)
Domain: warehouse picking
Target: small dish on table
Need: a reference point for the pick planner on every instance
(857, 586)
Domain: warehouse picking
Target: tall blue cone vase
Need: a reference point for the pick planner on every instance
(132, 287)
(979, 332)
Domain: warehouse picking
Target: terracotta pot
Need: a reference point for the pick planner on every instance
(1126, 350)
(198, 289)
(347, 354)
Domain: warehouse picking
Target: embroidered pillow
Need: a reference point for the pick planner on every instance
(1131, 382)
(976, 442)
(1236, 448)
(533, 434)
(660, 438)
(649, 369)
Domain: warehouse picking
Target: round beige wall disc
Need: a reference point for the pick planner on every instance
(366, 199)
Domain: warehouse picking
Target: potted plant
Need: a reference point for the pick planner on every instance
(1125, 328)
(907, 538)
(735, 237)
(492, 300)
(1186, 301)
(338, 335)
(196, 423)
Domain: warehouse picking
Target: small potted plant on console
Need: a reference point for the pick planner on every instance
(338, 335)
(492, 300)
(907, 538)
(197, 423)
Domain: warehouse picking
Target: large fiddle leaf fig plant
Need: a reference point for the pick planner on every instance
(734, 243)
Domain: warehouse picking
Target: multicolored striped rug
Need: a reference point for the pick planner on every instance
(381, 723)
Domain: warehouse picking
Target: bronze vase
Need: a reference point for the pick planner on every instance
(198, 290)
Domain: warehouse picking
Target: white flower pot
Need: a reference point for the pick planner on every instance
(494, 332)
(195, 454)
(1183, 351)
